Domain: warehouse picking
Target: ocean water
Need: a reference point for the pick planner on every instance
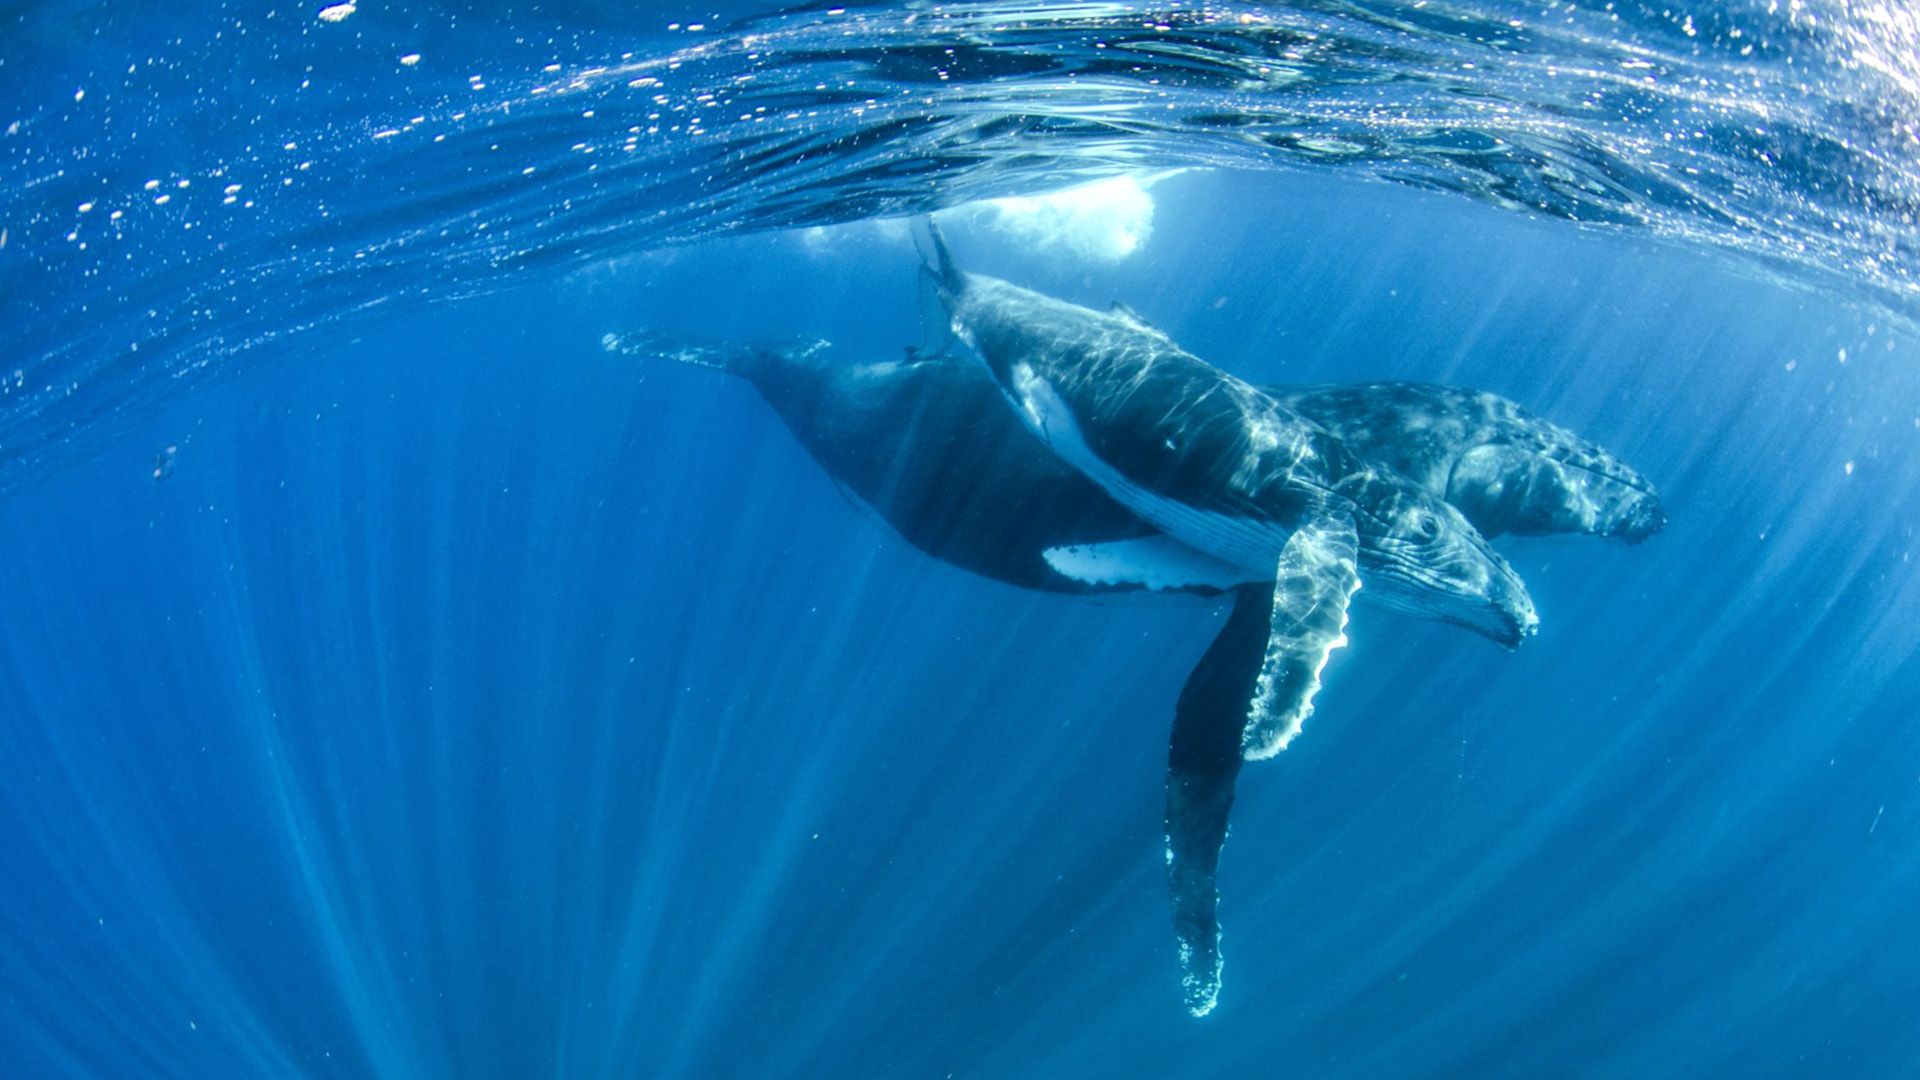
(395, 682)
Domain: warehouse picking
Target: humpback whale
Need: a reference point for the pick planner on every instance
(1506, 469)
(928, 444)
(1220, 464)
(1225, 468)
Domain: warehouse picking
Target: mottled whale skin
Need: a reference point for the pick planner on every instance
(1226, 468)
(928, 443)
(1217, 462)
(1506, 469)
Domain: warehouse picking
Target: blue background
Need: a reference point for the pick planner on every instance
(471, 701)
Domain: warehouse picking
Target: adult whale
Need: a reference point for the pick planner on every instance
(1226, 469)
(929, 445)
(1506, 469)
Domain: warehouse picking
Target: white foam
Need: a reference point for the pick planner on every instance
(1105, 221)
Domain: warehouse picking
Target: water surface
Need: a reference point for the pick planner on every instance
(468, 700)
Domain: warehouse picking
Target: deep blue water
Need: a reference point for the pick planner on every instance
(468, 700)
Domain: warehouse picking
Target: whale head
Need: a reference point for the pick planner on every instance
(1532, 490)
(1506, 469)
(1421, 556)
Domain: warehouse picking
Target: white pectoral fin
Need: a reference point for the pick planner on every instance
(1040, 404)
(1156, 562)
(1313, 584)
(1243, 542)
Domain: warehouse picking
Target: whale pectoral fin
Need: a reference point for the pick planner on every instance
(1156, 562)
(1203, 761)
(1246, 699)
(1315, 580)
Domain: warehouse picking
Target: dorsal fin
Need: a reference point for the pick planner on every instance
(1132, 318)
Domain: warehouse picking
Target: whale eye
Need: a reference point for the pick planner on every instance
(1426, 525)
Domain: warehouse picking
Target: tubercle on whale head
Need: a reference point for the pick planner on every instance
(1523, 620)
(1421, 554)
(1508, 597)
(1507, 616)
(1488, 598)
(1639, 521)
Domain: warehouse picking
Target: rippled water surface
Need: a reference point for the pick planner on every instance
(394, 681)
(183, 187)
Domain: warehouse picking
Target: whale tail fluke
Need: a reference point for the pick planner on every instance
(936, 262)
(941, 284)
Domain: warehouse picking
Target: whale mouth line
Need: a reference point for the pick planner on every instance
(1522, 629)
(1499, 620)
(1507, 630)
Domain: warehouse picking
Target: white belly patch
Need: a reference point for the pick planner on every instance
(1158, 563)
